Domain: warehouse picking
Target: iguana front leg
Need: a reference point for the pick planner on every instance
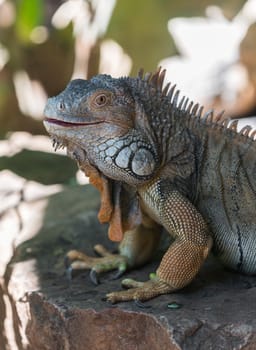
(136, 248)
(184, 257)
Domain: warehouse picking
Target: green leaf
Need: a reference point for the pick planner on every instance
(29, 15)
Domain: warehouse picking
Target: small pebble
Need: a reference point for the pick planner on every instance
(174, 305)
(152, 275)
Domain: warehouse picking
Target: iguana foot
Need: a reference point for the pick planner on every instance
(140, 290)
(76, 260)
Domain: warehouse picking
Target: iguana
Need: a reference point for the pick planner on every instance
(159, 162)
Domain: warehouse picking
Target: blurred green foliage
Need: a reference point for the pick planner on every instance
(30, 14)
(140, 27)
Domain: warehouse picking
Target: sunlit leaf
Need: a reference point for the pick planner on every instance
(29, 16)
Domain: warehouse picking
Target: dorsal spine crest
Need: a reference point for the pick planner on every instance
(152, 85)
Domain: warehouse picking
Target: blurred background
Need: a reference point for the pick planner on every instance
(208, 48)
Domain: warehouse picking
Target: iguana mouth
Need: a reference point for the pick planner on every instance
(68, 124)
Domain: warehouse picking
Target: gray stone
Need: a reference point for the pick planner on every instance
(45, 311)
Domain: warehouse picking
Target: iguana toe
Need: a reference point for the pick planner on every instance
(140, 291)
(76, 260)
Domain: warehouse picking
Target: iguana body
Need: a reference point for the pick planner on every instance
(159, 163)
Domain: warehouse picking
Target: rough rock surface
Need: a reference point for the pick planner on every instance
(41, 310)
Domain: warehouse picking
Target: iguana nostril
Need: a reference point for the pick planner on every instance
(61, 106)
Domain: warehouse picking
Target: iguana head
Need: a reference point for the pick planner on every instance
(99, 120)
(86, 104)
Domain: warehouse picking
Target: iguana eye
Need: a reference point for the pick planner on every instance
(100, 100)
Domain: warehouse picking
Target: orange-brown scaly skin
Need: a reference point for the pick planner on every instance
(159, 163)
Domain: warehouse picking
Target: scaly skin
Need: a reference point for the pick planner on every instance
(159, 164)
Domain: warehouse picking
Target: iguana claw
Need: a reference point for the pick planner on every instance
(118, 274)
(94, 277)
(107, 261)
(69, 271)
(141, 305)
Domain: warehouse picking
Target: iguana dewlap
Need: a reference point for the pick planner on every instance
(159, 162)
